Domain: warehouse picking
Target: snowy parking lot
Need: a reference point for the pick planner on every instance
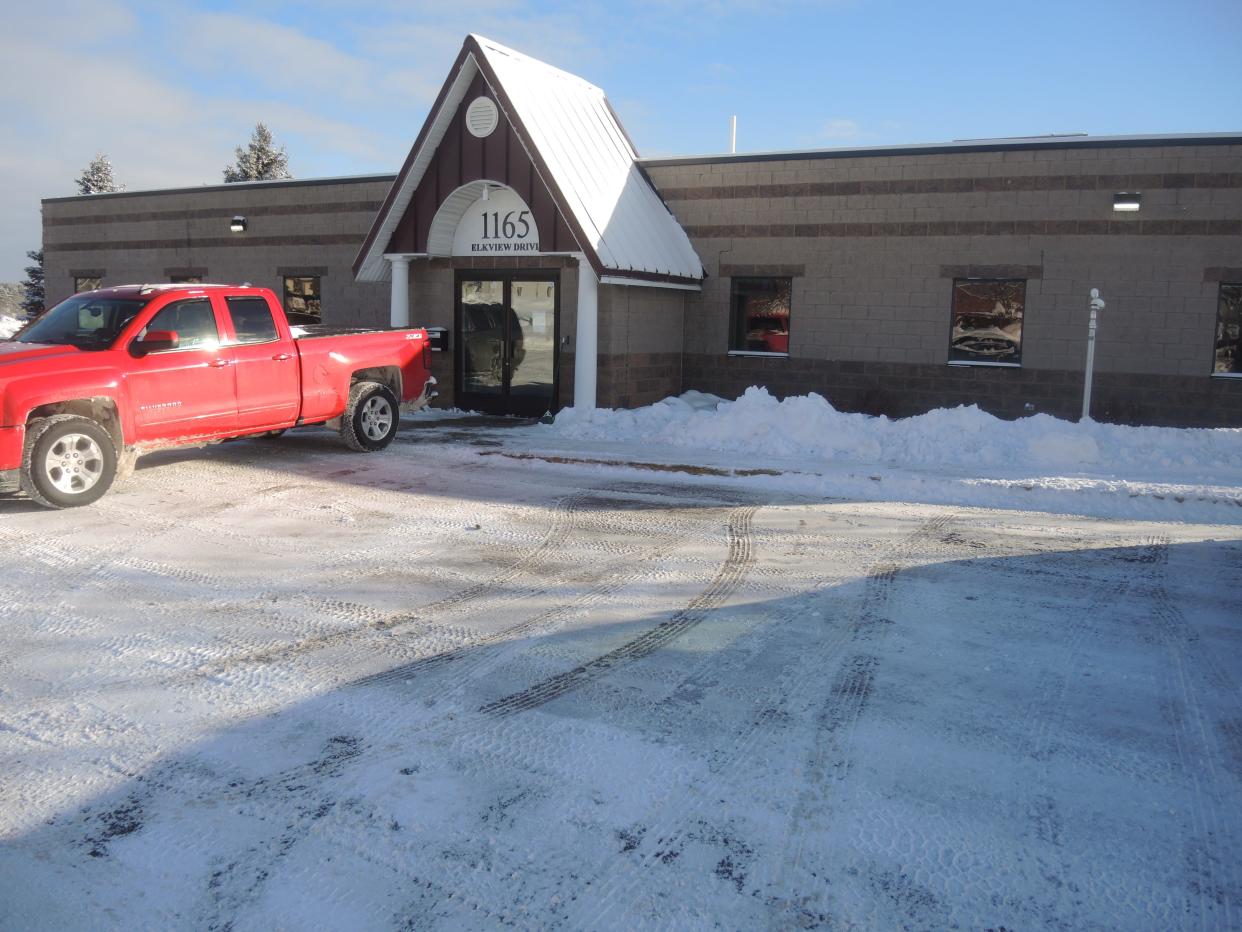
(482, 680)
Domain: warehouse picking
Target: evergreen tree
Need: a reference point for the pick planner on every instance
(97, 178)
(260, 161)
(32, 287)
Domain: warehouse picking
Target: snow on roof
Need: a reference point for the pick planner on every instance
(566, 124)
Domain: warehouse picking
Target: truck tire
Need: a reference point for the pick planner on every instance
(68, 461)
(371, 417)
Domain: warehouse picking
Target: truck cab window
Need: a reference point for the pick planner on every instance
(252, 320)
(86, 321)
(193, 322)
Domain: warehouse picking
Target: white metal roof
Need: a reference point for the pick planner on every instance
(595, 180)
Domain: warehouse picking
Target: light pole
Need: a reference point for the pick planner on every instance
(1097, 305)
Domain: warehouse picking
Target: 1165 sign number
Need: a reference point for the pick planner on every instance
(508, 227)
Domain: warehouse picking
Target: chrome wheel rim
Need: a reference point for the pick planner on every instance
(376, 418)
(74, 464)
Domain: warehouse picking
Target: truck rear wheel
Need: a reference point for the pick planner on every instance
(371, 416)
(69, 461)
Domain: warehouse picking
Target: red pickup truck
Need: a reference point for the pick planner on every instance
(108, 375)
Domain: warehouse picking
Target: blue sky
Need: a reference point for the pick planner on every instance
(168, 89)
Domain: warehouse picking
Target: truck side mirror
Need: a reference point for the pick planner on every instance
(156, 341)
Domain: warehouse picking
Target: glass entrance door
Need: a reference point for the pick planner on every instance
(506, 342)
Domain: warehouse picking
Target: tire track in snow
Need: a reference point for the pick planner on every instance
(557, 531)
(830, 760)
(1047, 717)
(737, 563)
(409, 638)
(676, 815)
(465, 656)
(1213, 864)
(366, 637)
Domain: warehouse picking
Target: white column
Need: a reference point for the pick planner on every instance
(399, 312)
(586, 349)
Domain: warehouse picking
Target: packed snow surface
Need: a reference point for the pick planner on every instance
(9, 326)
(458, 686)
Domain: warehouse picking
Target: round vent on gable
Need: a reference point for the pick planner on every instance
(482, 117)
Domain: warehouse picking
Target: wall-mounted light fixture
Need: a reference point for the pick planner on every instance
(1127, 200)
(238, 224)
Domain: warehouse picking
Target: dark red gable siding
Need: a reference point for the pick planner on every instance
(462, 158)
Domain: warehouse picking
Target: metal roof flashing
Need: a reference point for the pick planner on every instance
(1056, 141)
(225, 186)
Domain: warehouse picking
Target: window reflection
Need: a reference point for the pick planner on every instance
(987, 321)
(760, 315)
(1228, 359)
(302, 303)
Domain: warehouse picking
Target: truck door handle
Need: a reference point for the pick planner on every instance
(219, 363)
(281, 357)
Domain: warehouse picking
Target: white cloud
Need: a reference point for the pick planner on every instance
(277, 57)
(157, 131)
(84, 76)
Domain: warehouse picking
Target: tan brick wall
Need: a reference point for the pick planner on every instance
(136, 238)
(875, 235)
(871, 242)
(640, 344)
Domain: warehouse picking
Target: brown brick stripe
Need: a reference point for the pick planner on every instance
(778, 271)
(985, 183)
(1225, 274)
(222, 242)
(971, 228)
(209, 213)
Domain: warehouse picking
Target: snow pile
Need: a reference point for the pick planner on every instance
(807, 427)
(9, 326)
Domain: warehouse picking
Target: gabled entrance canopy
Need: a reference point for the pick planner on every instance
(560, 146)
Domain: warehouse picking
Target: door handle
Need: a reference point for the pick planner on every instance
(219, 363)
(281, 357)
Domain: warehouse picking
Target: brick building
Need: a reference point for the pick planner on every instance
(891, 280)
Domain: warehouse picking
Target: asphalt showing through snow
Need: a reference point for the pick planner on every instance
(278, 685)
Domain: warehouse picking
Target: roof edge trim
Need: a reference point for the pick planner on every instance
(997, 145)
(228, 186)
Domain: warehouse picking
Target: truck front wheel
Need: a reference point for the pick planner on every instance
(69, 461)
(370, 419)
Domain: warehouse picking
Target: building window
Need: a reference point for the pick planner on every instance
(759, 322)
(86, 284)
(1229, 331)
(186, 280)
(302, 299)
(987, 322)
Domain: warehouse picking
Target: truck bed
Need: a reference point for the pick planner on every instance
(314, 331)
